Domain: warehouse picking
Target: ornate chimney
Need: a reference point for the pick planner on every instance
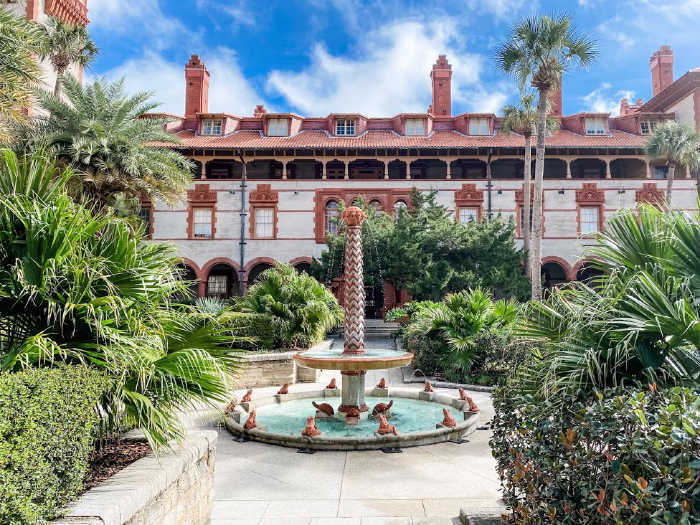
(555, 102)
(442, 87)
(196, 88)
(661, 64)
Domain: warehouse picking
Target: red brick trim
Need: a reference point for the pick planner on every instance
(204, 272)
(561, 262)
(299, 260)
(469, 197)
(576, 267)
(251, 264)
(590, 196)
(263, 197)
(201, 197)
(650, 193)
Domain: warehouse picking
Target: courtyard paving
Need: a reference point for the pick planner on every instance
(258, 484)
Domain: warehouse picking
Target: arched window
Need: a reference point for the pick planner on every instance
(399, 205)
(331, 214)
(376, 206)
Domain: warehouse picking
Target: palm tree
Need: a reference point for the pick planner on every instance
(540, 50)
(523, 120)
(66, 44)
(101, 133)
(678, 145)
(19, 71)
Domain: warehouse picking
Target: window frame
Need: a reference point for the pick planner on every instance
(410, 127)
(596, 131)
(195, 210)
(227, 286)
(345, 127)
(480, 132)
(475, 217)
(282, 123)
(596, 211)
(330, 227)
(209, 123)
(272, 223)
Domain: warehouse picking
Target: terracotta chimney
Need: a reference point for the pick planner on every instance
(661, 64)
(259, 111)
(442, 87)
(624, 107)
(196, 88)
(555, 101)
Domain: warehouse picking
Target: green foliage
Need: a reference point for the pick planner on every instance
(293, 309)
(48, 424)
(425, 252)
(676, 144)
(81, 287)
(19, 72)
(616, 456)
(102, 134)
(639, 320)
(450, 335)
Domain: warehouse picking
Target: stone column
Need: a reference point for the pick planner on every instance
(284, 171)
(386, 169)
(347, 170)
(204, 170)
(608, 173)
(324, 174)
(648, 164)
(449, 169)
(568, 168)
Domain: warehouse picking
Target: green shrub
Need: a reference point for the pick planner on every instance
(292, 309)
(620, 456)
(48, 424)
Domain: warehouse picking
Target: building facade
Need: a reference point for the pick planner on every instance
(299, 169)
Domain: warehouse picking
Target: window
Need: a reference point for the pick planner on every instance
(478, 126)
(414, 126)
(264, 223)
(648, 126)
(145, 216)
(217, 285)
(522, 219)
(202, 222)
(277, 127)
(331, 214)
(468, 214)
(596, 126)
(345, 127)
(589, 219)
(376, 206)
(399, 205)
(660, 172)
(211, 127)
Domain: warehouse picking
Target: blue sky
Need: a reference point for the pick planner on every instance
(315, 57)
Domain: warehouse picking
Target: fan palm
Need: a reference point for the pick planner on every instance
(76, 286)
(100, 133)
(678, 146)
(19, 71)
(522, 119)
(641, 320)
(539, 51)
(65, 44)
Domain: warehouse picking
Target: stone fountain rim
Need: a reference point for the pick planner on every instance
(424, 437)
(354, 364)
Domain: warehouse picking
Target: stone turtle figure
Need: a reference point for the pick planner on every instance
(250, 424)
(284, 389)
(382, 383)
(428, 387)
(247, 397)
(380, 408)
(310, 430)
(323, 407)
(385, 427)
(448, 420)
(352, 412)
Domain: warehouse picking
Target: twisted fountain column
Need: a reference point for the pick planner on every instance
(353, 387)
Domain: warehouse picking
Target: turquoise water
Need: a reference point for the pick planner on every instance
(409, 415)
(370, 353)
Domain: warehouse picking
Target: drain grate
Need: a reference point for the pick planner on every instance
(241, 439)
(306, 451)
(458, 441)
(392, 450)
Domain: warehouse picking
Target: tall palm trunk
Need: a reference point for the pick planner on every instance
(669, 182)
(59, 83)
(536, 243)
(526, 226)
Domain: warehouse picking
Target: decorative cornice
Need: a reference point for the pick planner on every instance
(650, 193)
(469, 196)
(264, 194)
(590, 194)
(201, 195)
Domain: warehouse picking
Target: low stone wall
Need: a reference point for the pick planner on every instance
(277, 368)
(177, 488)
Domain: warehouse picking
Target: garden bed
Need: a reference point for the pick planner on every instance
(113, 458)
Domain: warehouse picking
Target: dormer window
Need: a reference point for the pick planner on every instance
(596, 125)
(414, 126)
(278, 127)
(647, 126)
(345, 127)
(478, 126)
(211, 126)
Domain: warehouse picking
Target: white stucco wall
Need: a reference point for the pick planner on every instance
(684, 111)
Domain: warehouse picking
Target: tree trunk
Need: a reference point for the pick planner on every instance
(59, 84)
(536, 242)
(526, 227)
(669, 183)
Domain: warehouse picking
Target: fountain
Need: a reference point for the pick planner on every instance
(417, 417)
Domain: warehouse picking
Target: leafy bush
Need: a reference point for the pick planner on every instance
(81, 287)
(619, 456)
(639, 320)
(293, 309)
(48, 424)
(465, 336)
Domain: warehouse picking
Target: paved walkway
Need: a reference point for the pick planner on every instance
(258, 484)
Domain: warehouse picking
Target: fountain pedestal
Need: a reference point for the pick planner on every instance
(353, 391)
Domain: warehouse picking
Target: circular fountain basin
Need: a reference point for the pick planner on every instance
(372, 359)
(415, 414)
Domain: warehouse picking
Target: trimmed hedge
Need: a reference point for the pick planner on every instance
(621, 456)
(48, 423)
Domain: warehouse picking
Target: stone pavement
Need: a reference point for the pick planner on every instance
(258, 484)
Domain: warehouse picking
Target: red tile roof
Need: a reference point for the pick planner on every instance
(389, 139)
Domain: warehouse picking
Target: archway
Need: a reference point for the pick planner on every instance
(188, 274)
(587, 169)
(586, 273)
(256, 269)
(628, 169)
(553, 274)
(222, 281)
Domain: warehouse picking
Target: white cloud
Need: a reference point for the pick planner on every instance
(389, 75)
(229, 90)
(605, 100)
(502, 8)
